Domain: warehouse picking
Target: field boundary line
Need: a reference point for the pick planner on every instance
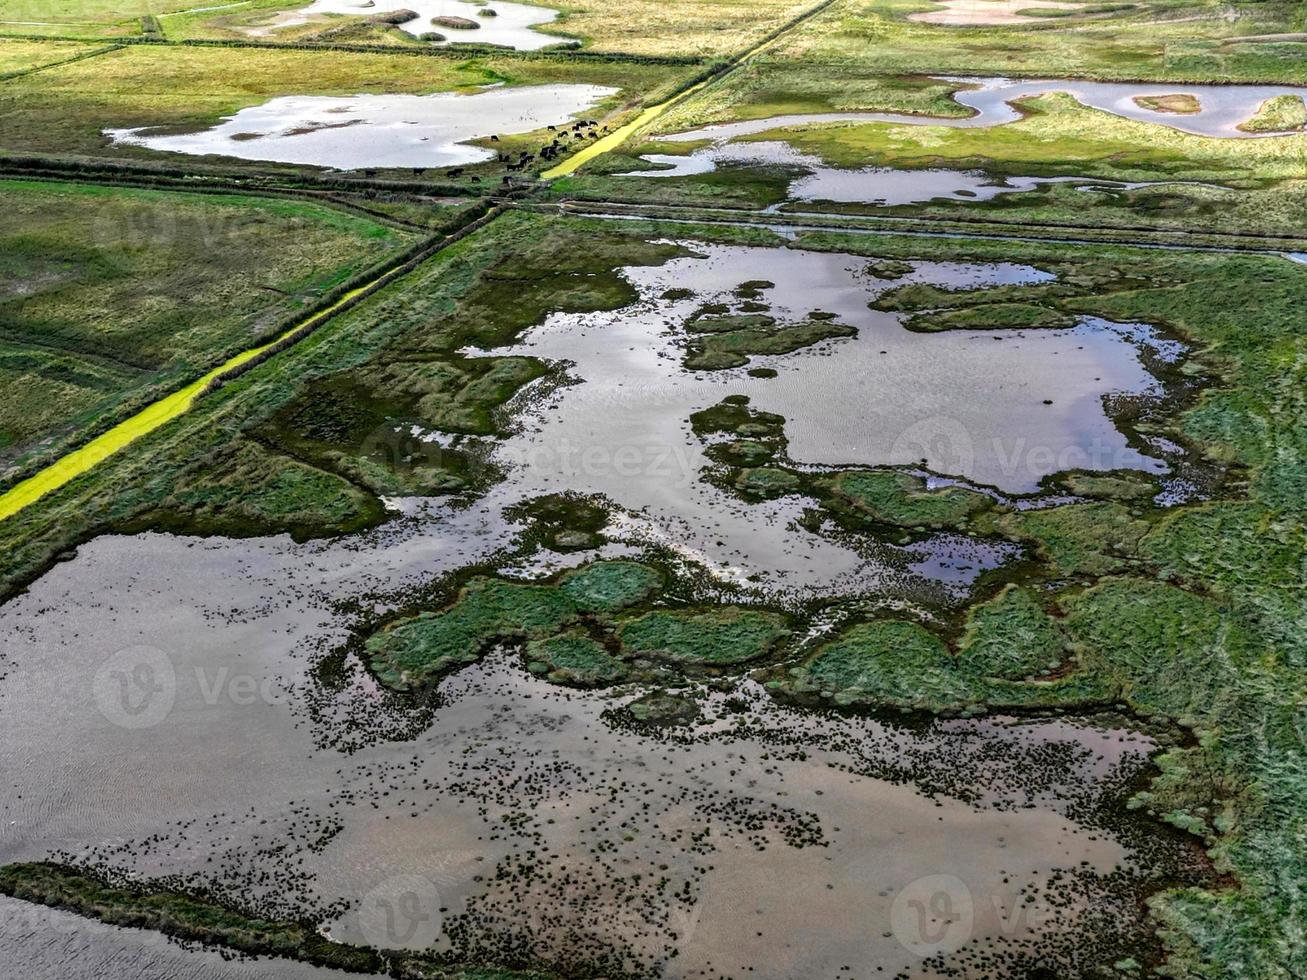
(82, 56)
(778, 222)
(620, 135)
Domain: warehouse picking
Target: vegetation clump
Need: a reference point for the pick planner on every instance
(583, 628)
(900, 499)
(575, 658)
(1178, 104)
(202, 920)
(661, 709)
(455, 23)
(721, 637)
(1280, 114)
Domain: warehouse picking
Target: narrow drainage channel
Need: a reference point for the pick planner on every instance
(158, 413)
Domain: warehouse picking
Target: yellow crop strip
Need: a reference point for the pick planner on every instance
(79, 461)
(618, 136)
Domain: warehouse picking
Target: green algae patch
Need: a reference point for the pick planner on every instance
(368, 424)
(724, 636)
(1176, 652)
(418, 650)
(901, 499)
(1011, 637)
(720, 335)
(661, 709)
(898, 663)
(577, 629)
(741, 437)
(887, 661)
(1119, 485)
(575, 658)
(608, 586)
(734, 348)
(733, 416)
(563, 521)
(1079, 539)
(246, 489)
(1177, 103)
(888, 269)
(990, 316)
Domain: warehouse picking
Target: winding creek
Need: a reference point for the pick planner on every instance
(1221, 108)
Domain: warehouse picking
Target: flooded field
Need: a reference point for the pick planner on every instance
(499, 23)
(537, 819)
(514, 539)
(1220, 108)
(871, 185)
(377, 130)
(986, 397)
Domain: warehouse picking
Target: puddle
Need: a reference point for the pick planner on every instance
(967, 13)
(377, 130)
(1221, 107)
(871, 185)
(511, 26)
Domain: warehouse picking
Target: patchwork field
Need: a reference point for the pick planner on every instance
(699, 490)
(114, 295)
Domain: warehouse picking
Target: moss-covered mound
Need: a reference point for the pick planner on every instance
(720, 637)
(1281, 114)
(901, 499)
(586, 627)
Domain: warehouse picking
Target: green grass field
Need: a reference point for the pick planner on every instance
(1172, 39)
(114, 295)
(686, 28)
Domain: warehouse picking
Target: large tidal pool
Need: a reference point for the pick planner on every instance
(170, 720)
